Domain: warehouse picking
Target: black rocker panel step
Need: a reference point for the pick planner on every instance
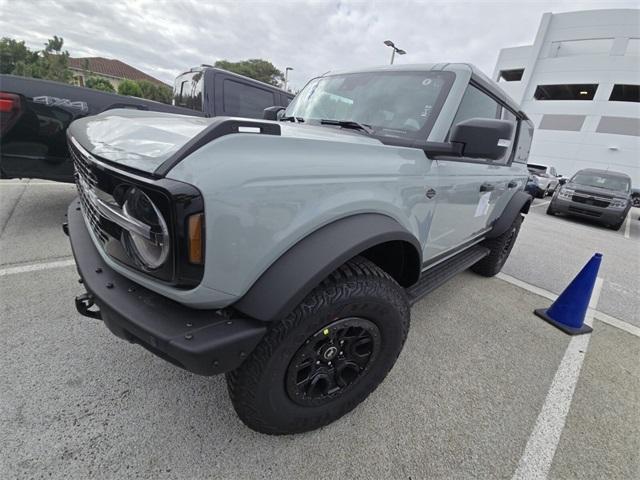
(439, 274)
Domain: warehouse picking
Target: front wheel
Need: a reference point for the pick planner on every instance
(499, 250)
(327, 356)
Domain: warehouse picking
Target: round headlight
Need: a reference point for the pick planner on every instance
(150, 250)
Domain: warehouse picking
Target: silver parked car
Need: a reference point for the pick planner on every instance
(543, 180)
(287, 253)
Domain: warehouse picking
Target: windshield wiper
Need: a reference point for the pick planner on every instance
(292, 119)
(349, 124)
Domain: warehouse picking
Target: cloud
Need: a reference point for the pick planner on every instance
(165, 38)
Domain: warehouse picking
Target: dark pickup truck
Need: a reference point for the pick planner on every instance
(35, 114)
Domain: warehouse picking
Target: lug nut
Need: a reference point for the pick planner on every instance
(189, 324)
(188, 336)
(109, 285)
(131, 289)
(317, 362)
(98, 270)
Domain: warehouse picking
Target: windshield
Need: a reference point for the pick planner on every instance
(395, 104)
(610, 182)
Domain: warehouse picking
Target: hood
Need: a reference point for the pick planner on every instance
(134, 138)
(144, 140)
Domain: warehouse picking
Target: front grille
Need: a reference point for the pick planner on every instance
(590, 199)
(85, 178)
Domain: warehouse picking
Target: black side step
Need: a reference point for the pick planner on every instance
(436, 276)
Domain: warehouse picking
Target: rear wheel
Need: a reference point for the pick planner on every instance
(500, 248)
(327, 356)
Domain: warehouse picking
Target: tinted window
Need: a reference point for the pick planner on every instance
(514, 75)
(625, 93)
(619, 126)
(566, 92)
(569, 123)
(244, 100)
(187, 91)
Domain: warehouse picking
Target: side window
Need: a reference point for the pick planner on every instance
(525, 135)
(240, 99)
(476, 104)
(188, 91)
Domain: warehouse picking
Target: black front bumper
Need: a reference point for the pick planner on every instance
(206, 342)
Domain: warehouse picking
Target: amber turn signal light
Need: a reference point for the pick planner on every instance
(195, 225)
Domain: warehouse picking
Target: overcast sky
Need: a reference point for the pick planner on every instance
(165, 38)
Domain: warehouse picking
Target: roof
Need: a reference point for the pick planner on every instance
(112, 68)
(603, 172)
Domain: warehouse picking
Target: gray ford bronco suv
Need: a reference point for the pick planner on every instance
(286, 253)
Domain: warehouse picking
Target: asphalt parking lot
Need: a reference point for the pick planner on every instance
(483, 388)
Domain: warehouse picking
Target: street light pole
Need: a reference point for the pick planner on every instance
(394, 50)
(286, 77)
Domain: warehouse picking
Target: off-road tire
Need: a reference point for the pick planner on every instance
(500, 248)
(359, 288)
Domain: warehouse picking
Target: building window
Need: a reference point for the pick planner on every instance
(571, 48)
(513, 75)
(568, 123)
(566, 92)
(625, 93)
(633, 47)
(619, 126)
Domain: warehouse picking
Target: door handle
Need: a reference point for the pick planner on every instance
(512, 184)
(487, 187)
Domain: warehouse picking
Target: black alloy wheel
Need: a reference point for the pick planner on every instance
(332, 360)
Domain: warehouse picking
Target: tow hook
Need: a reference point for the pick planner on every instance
(83, 304)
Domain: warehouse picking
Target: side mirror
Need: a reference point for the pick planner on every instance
(483, 137)
(273, 113)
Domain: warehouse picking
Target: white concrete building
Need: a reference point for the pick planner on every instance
(580, 84)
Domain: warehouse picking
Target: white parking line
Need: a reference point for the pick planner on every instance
(541, 204)
(627, 226)
(36, 266)
(543, 442)
(603, 317)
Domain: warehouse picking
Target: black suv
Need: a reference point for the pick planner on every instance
(600, 195)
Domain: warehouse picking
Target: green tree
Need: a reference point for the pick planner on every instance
(131, 88)
(52, 63)
(13, 52)
(255, 68)
(152, 91)
(101, 84)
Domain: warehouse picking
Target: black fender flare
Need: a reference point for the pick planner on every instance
(301, 268)
(519, 203)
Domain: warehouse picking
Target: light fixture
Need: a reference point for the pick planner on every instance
(584, 92)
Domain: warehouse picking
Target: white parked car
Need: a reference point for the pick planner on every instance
(543, 180)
